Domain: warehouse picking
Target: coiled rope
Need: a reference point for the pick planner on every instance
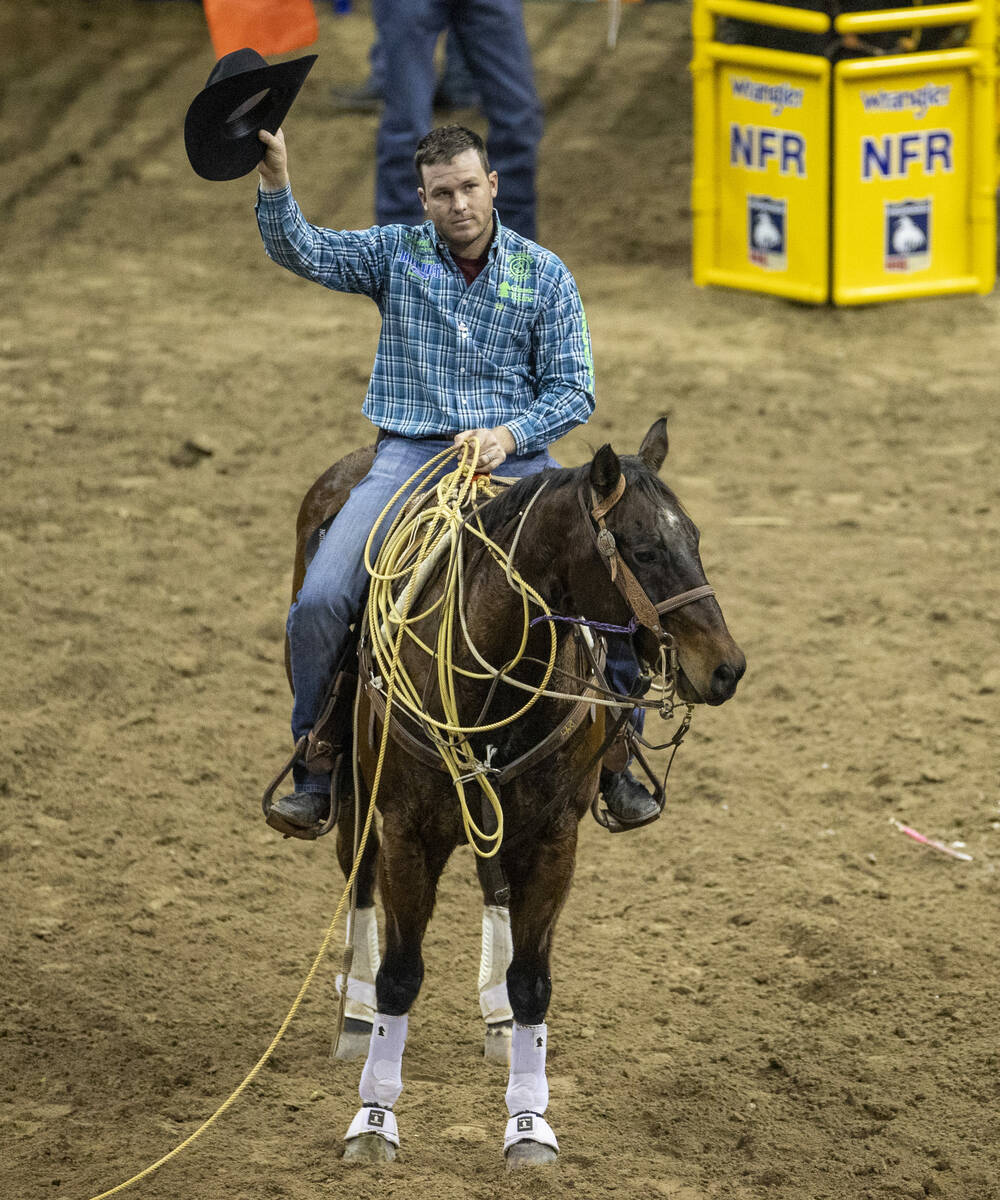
(414, 542)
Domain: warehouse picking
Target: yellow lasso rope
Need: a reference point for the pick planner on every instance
(256, 1069)
(414, 541)
(402, 562)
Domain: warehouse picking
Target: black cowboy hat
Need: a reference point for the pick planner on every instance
(244, 95)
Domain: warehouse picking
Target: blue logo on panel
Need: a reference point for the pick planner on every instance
(766, 225)
(908, 235)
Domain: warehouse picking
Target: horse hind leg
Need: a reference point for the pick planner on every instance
(494, 1003)
(354, 1035)
(408, 876)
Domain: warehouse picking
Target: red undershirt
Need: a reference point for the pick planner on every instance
(470, 267)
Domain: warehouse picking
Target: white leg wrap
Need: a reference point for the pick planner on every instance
(361, 1001)
(372, 1119)
(382, 1079)
(497, 950)
(528, 1089)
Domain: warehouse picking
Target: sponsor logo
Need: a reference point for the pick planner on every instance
(893, 154)
(513, 289)
(776, 96)
(908, 235)
(420, 258)
(766, 226)
(919, 100)
(376, 1117)
(525, 1124)
(519, 266)
(420, 268)
(755, 147)
(515, 293)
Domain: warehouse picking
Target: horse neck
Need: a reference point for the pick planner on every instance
(545, 542)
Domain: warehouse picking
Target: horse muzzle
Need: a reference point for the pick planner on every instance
(714, 688)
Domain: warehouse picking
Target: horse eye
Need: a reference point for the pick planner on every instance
(646, 556)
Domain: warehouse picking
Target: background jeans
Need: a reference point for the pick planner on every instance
(495, 47)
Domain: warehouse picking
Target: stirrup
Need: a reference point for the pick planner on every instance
(604, 816)
(322, 827)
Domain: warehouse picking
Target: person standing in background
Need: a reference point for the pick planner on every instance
(454, 89)
(493, 41)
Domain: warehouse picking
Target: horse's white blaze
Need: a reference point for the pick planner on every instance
(498, 947)
(668, 518)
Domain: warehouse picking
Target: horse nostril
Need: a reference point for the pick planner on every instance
(724, 680)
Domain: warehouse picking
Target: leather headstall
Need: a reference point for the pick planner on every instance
(645, 611)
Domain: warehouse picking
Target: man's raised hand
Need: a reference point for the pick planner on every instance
(273, 167)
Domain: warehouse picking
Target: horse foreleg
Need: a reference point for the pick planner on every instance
(408, 876)
(493, 1000)
(536, 898)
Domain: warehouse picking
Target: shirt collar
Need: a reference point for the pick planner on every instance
(491, 250)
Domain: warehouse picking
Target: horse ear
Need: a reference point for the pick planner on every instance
(655, 445)
(605, 470)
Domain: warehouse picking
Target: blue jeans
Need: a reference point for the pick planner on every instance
(492, 38)
(455, 85)
(333, 592)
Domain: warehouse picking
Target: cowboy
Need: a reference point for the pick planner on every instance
(483, 336)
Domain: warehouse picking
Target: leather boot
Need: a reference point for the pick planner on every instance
(298, 813)
(628, 801)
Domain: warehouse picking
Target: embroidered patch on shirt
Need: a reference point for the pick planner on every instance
(514, 289)
(422, 268)
(514, 293)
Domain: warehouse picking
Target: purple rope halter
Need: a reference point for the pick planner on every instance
(631, 627)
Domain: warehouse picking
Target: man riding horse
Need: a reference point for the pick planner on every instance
(483, 336)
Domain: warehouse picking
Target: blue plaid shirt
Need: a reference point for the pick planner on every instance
(511, 349)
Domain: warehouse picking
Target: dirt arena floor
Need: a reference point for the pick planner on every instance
(770, 993)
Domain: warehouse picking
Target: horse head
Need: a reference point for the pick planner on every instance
(642, 530)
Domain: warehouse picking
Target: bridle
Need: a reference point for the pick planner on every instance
(645, 612)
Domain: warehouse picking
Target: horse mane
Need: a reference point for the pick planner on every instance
(498, 512)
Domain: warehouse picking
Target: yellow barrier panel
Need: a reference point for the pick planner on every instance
(874, 180)
(905, 148)
(761, 193)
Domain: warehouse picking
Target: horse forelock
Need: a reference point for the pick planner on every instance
(641, 478)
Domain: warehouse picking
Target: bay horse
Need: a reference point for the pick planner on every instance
(579, 533)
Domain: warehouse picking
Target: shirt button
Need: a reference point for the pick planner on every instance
(462, 371)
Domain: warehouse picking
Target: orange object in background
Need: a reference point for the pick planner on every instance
(269, 26)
